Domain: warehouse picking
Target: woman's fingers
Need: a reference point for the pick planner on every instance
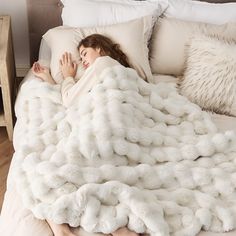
(36, 68)
(63, 60)
(33, 67)
(39, 68)
(69, 58)
(66, 58)
(75, 66)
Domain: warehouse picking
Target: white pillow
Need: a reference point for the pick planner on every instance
(88, 13)
(210, 76)
(214, 13)
(132, 37)
(169, 37)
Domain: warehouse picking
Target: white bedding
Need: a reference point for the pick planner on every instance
(22, 221)
(223, 122)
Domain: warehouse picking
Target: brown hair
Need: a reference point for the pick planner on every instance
(107, 47)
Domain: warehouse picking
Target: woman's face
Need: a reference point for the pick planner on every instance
(88, 55)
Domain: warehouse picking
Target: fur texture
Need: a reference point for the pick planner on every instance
(128, 153)
(209, 78)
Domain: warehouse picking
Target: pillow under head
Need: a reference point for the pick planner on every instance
(209, 78)
(132, 37)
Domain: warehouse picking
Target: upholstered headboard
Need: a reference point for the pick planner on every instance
(46, 14)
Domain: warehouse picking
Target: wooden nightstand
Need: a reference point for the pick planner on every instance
(7, 75)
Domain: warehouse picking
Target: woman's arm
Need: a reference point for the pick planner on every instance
(68, 69)
(68, 89)
(72, 91)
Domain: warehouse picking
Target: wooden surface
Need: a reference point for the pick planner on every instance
(7, 75)
(6, 152)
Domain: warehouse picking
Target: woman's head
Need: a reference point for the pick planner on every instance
(96, 45)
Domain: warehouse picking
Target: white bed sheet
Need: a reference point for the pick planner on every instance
(15, 220)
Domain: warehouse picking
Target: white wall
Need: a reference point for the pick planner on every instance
(17, 9)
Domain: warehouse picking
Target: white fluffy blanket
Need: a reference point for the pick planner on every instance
(128, 153)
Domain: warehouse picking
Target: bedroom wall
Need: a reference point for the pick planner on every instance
(18, 12)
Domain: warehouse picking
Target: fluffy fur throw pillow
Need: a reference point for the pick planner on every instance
(209, 79)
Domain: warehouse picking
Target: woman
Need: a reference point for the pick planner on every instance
(91, 50)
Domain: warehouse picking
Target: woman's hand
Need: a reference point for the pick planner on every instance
(68, 67)
(39, 71)
(42, 72)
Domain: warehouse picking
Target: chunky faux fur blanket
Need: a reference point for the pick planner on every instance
(128, 153)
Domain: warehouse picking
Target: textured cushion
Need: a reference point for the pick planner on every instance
(170, 37)
(132, 37)
(90, 13)
(210, 75)
(213, 13)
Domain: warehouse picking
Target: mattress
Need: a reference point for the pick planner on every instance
(15, 220)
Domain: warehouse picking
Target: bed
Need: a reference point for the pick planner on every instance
(15, 218)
